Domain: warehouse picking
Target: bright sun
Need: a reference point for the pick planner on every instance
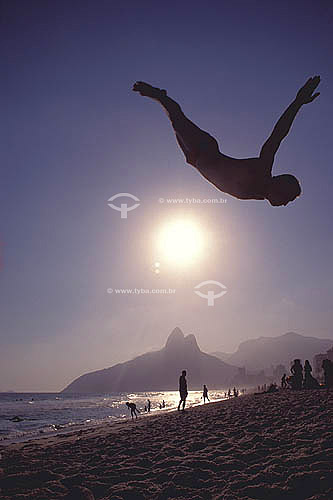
(181, 242)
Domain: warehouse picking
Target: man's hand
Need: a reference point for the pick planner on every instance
(304, 95)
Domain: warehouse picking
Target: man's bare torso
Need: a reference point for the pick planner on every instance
(243, 178)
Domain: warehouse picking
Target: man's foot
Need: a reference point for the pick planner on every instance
(147, 90)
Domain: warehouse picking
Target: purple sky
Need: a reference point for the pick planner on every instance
(74, 134)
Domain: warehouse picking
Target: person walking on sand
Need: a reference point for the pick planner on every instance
(243, 178)
(205, 394)
(133, 408)
(182, 390)
(148, 405)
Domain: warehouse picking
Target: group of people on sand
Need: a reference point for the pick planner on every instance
(183, 392)
(301, 377)
(234, 393)
(135, 410)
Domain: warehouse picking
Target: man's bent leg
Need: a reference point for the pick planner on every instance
(192, 140)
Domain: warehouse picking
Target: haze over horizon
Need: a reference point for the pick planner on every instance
(75, 135)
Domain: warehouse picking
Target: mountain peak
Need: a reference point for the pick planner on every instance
(191, 342)
(159, 370)
(175, 338)
(291, 334)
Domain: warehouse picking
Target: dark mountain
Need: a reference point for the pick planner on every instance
(263, 352)
(159, 370)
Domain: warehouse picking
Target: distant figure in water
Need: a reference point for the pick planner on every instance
(205, 393)
(163, 404)
(284, 381)
(246, 178)
(133, 408)
(229, 393)
(235, 392)
(327, 366)
(182, 390)
(148, 405)
(297, 375)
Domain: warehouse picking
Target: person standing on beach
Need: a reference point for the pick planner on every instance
(133, 408)
(182, 390)
(327, 367)
(205, 393)
(309, 381)
(148, 405)
(297, 371)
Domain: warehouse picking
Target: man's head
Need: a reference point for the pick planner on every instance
(184, 373)
(283, 189)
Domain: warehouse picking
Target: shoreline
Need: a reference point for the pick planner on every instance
(96, 429)
(37, 434)
(260, 446)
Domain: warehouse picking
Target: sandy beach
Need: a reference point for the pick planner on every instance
(265, 446)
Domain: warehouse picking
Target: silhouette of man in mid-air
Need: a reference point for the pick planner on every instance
(182, 390)
(247, 178)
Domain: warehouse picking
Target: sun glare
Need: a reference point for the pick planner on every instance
(181, 242)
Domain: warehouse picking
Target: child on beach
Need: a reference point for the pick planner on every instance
(246, 178)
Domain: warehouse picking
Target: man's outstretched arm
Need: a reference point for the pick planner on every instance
(281, 129)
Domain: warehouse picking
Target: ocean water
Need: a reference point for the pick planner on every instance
(42, 414)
